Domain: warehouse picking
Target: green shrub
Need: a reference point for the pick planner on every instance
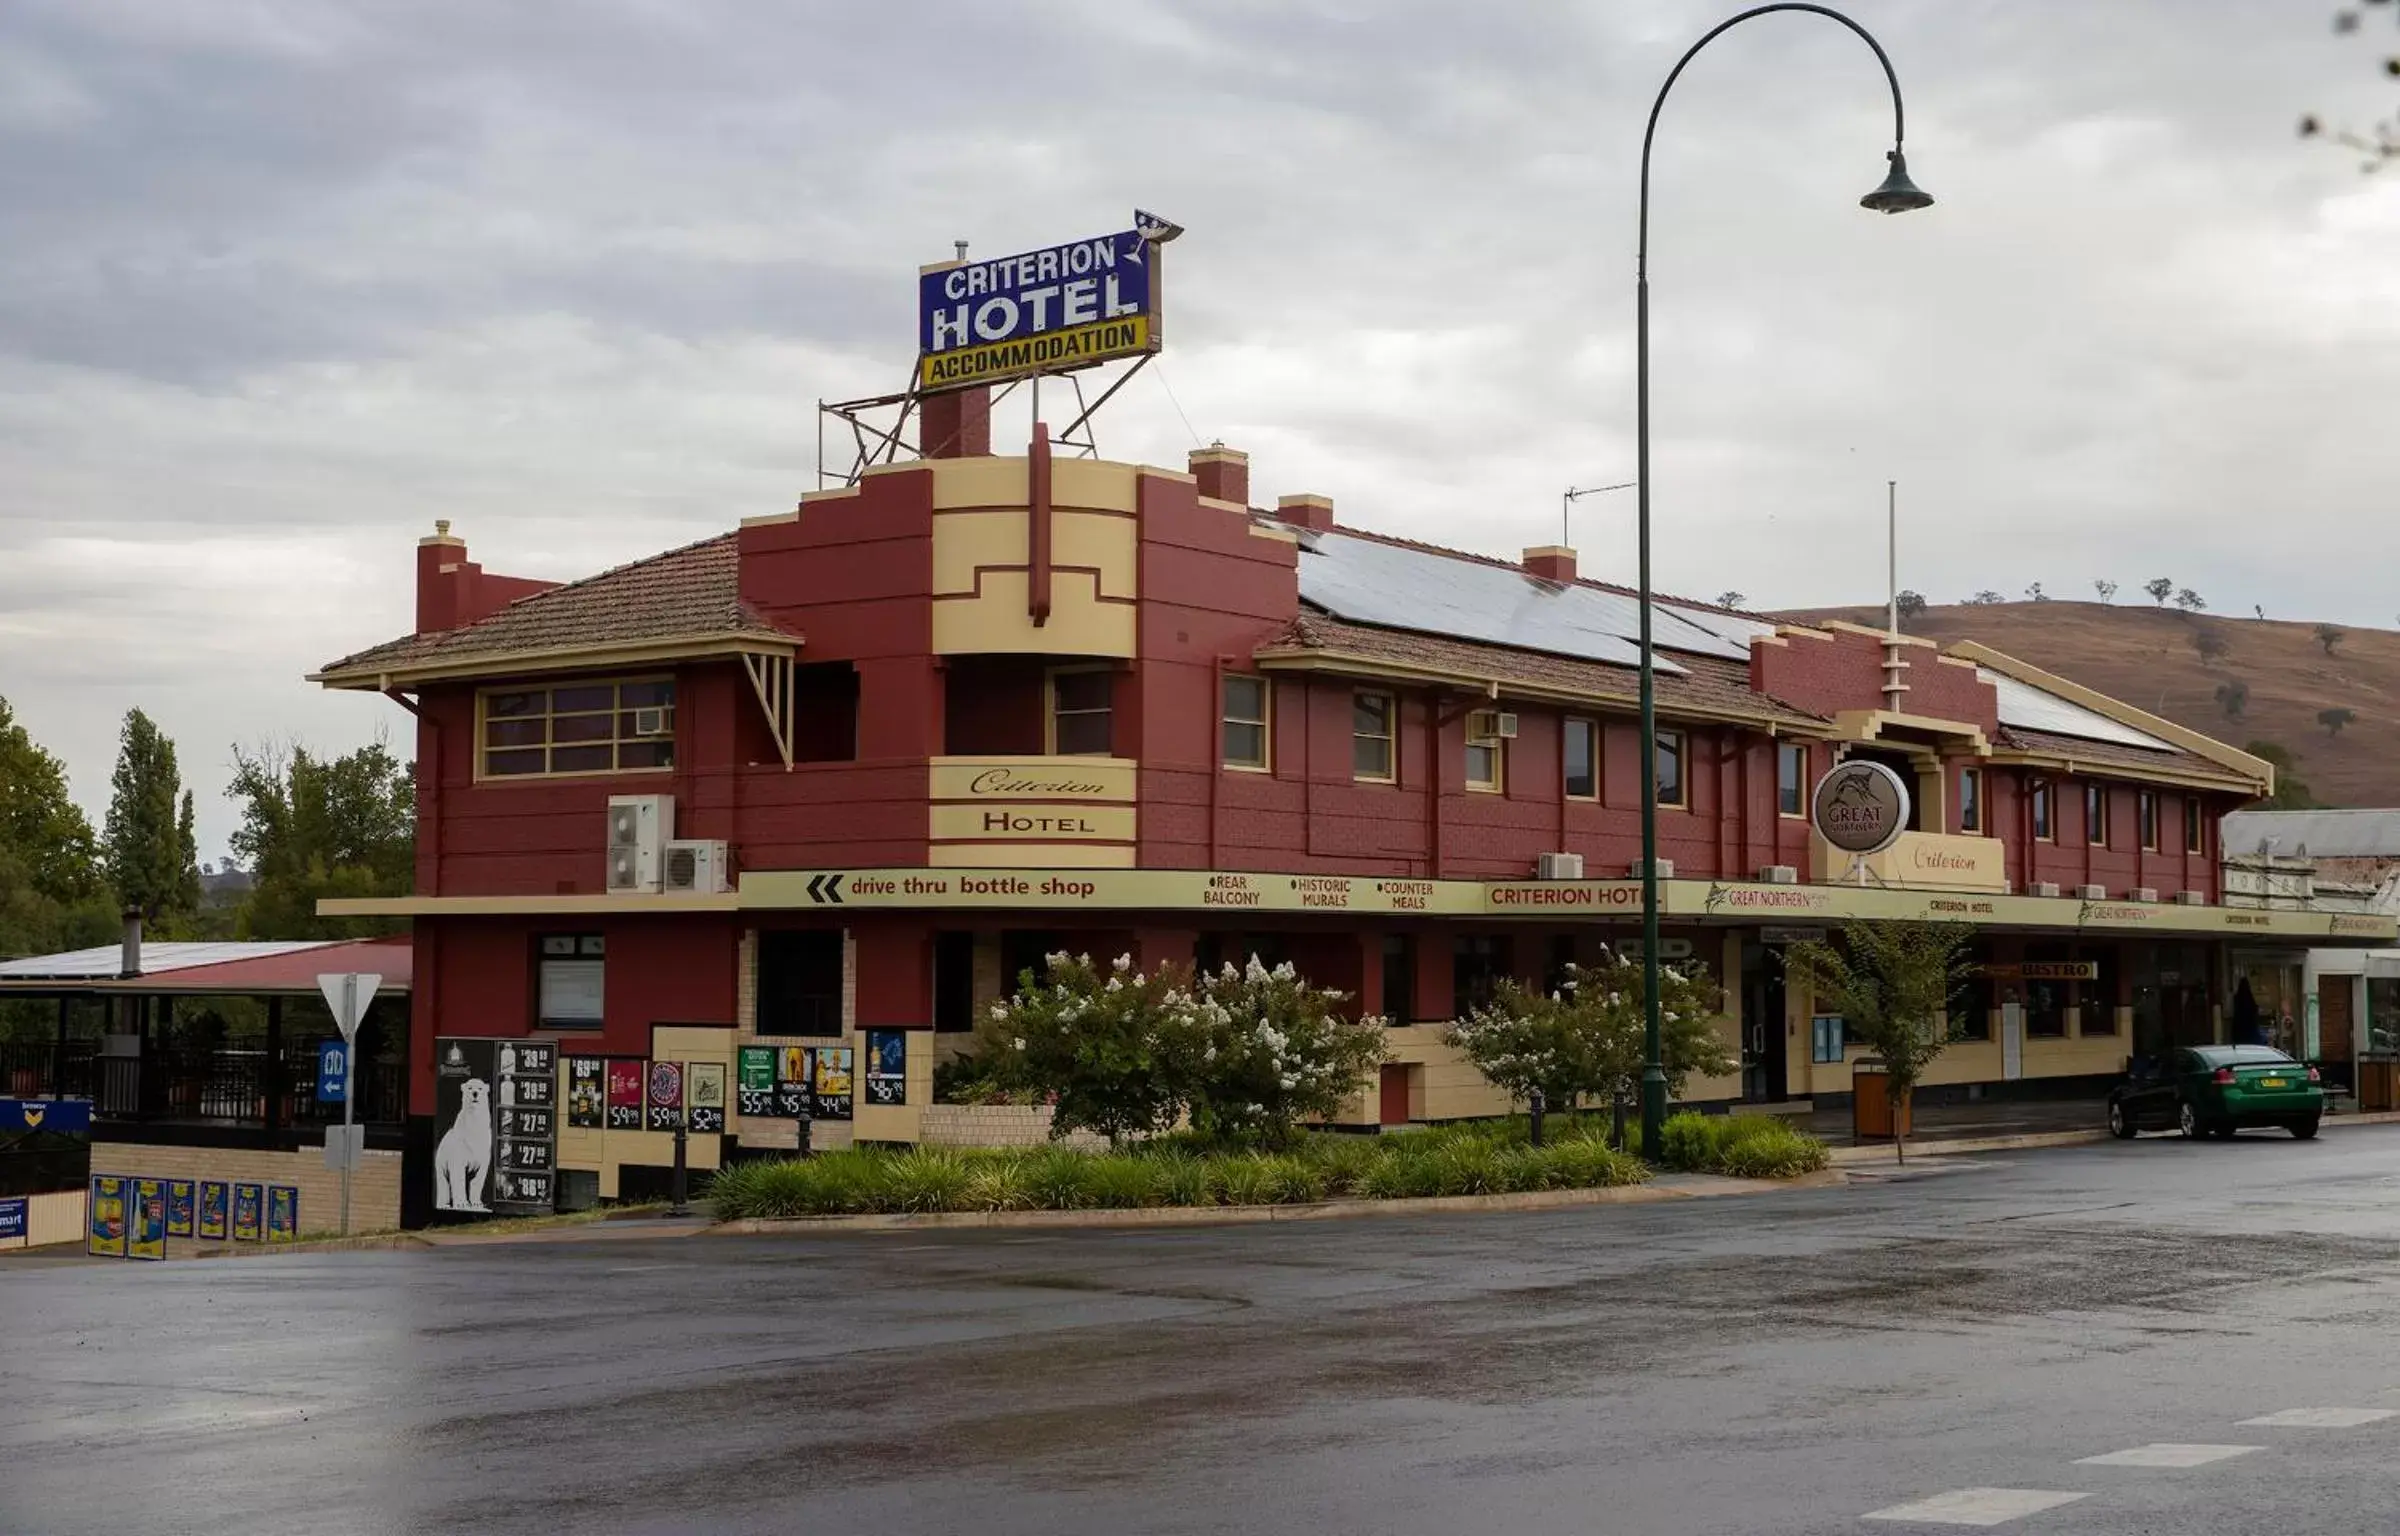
(1181, 1179)
(1120, 1182)
(1342, 1160)
(1776, 1153)
(1587, 1162)
(925, 1179)
(1469, 1166)
(785, 1187)
(1293, 1180)
(1242, 1178)
(1057, 1179)
(999, 1184)
(1688, 1141)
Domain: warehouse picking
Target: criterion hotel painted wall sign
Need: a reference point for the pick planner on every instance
(1047, 311)
(1861, 807)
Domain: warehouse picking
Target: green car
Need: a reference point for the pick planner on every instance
(2215, 1090)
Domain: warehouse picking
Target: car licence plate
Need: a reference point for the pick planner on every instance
(2274, 1082)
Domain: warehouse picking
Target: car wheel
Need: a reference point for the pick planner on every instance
(2189, 1122)
(2305, 1129)
(2119, 1124)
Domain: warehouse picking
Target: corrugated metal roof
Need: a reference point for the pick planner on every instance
(97, 964)
(1395, 586)
(2359, 834)
(2038, 709)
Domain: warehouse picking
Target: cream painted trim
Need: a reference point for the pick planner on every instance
(562, 658)
(2241, 763)
(2123, 773)
(526, 906)
(1260, 531)
(831, 493)
(1373, 668)
(770, 519)
(1879, 636)
(1861, 725)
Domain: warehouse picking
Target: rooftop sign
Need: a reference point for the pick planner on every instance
(1047, 311)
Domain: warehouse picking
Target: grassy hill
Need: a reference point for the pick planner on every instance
(2151, 658)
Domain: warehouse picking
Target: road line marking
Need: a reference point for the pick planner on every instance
(2169, 1455)
(2322, 1418)
(1977, 1506)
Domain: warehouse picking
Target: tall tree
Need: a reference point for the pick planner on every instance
(50, 893)
(2160, 589)
(1894, 984)
(147, 847)
(2233, 697)
(315, 827)
(2329, 636)
(2291, 791)
(2107, 590)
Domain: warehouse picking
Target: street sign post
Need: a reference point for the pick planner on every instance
(333, 1072)
(347, 994)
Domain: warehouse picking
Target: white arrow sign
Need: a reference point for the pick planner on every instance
(348, 994)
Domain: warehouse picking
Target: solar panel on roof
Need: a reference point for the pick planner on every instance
(1367, 581)
(2037, 709)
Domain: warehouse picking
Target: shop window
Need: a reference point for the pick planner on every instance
(1215, 951)
(2095, 815)
(1487, 760)
(2145, 809)
(1371, 737)
(2383, 1015)
(2044, 830)
(1026, 952)
(1582, 747)
(1667, 765)
(1562, 962)
(1245, 724)
(1082, 712)
(800, 981)
(1970, 800)
(608, 726)
(953, 982)
(1825, 1042)
(570, 984)
(1972, 1006)
(1477, 962)
(2195, 830)
(1791, 778)
(2046, 997)
(1399, 977)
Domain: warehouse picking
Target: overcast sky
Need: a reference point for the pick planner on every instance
(282, 281)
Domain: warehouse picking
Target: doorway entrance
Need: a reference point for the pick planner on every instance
(1764, 1070)
(1394, 1097)
(2337, 1026)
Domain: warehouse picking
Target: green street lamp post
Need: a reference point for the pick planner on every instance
(1897, 195)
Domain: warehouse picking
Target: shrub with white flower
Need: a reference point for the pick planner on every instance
(1277, 1052)
(1247, 1052)
(1585, 1039)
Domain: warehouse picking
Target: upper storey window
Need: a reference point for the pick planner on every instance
(621, 725)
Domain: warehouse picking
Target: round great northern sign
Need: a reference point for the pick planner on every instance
(1861, 807)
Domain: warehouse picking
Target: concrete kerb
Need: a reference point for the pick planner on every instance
(1672, 1187)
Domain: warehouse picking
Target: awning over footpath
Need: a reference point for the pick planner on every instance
(262, 969)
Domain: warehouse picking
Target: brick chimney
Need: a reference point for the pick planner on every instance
(1223, 473)
(453, 591)
(956, 424)
(1306, 511)
(1551, 562)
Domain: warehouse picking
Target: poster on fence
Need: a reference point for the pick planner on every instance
(146, 1220)
(180, 1197)
(249, 1212)
(887, 1066)
(216, 1199)
(587, 1092)
(704, 1097)
(107, 1239)
(283, 1213)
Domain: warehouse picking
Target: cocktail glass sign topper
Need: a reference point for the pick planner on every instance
(1047, 311)
(1861, 807)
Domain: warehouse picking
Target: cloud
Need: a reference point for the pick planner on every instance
(284, 282)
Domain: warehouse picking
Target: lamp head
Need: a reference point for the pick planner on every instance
(1898, 194)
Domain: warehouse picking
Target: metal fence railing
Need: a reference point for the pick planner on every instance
(231, 1084)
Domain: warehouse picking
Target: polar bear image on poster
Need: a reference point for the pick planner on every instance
(462, 1163)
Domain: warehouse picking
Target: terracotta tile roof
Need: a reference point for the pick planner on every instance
(2109, 754)
(1707, 685)
(684, 593)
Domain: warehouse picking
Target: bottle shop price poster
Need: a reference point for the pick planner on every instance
(666, 1095)
(587, 1092)
(495, 1120)
(887, 1066)
(704, 1097)
(625, 1094)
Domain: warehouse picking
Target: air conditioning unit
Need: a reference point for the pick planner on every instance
(1779, 874)
(1492, 725)
(1558, 866)
(2092, 892)
(2191, 898)
(2144, 893)
(1666, 869)
(651, 721)
(2042, 888)
(698, 864)
(639, 827)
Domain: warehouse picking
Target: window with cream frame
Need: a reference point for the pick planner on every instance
(1486, 758)
(1667, 765)
(1081, 719)
(1373, 716)
(1580, 768)
(586, 726)
(1244, 735)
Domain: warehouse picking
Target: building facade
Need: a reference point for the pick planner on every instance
(919, 731)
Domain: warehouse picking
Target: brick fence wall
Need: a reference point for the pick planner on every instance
(998, 1125)
(374, 1188)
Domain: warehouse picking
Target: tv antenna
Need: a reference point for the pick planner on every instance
(1566, 503)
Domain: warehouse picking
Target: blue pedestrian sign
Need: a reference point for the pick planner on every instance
(332, 1078)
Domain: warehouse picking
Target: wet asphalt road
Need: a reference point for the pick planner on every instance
(1784, 1363)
